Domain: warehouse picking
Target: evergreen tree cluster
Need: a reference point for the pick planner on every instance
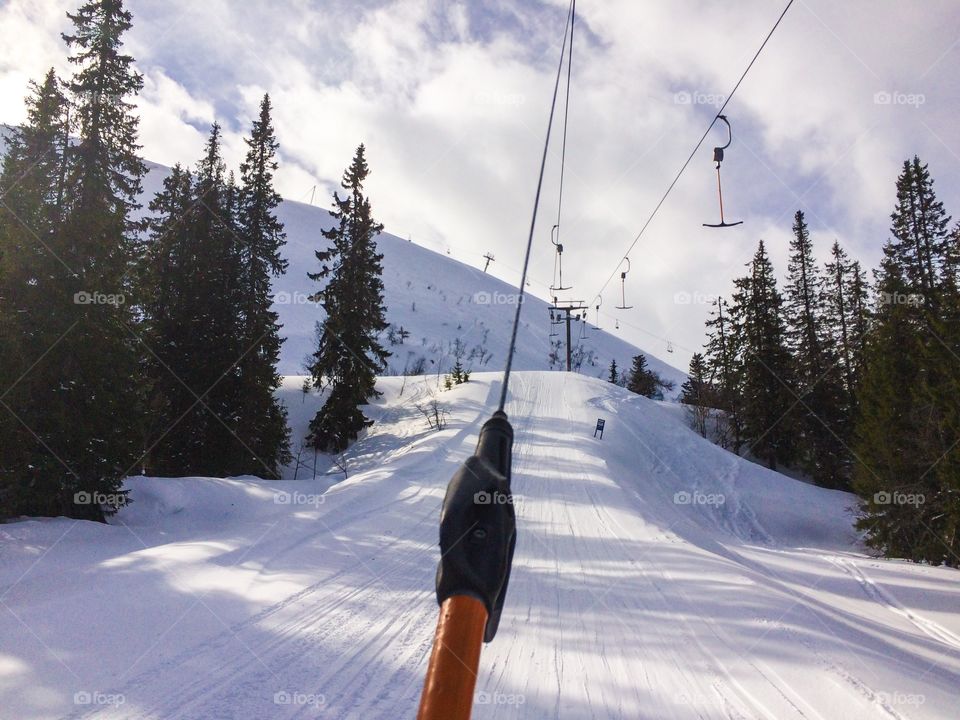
(69, 367)
(211, 338)
(854, 383)
(128, 344)
(782, 366)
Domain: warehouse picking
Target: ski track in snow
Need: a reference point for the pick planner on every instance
(624, 602)
(876, 593)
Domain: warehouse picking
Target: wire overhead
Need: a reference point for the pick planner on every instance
(676, 179)
(555, 233)
(567, 32)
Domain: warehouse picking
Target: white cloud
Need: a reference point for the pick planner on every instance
(451, 100)
(173, 124)
(30, 37)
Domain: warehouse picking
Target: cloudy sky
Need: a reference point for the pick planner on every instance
(451, 99)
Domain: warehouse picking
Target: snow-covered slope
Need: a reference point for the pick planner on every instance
(656, 576)
(436, 299)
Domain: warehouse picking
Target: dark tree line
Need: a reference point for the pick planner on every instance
(152, 345)
(210, 337)
(856, 384)
(70, 420)
(640, 379)
(131, 345)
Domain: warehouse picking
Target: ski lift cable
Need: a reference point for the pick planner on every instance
(555, 231)
(713, 121)
(563, 142)
(472, 577)
(653, 335)
(567, 32)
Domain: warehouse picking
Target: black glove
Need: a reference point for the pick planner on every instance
(478, 524)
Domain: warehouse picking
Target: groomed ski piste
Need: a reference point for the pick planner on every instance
(656, 576)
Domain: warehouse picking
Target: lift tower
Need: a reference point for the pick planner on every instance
(568, 310)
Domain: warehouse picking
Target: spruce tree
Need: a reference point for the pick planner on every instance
(31, 274)
(614, 375)
(920, 244)
(166, 278)
(907, 411)
(696, 393)
(889, 428)
(839, 317)
(263, 419)
(947, 469)
(349, 353)
(757, 314)
(936, 396)
(84, 436)
(821, 427)
(645, 381)
(34, 165)
(195, 311)
(860, 319)
(723, 360)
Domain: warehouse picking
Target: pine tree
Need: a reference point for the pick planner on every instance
(643, 380)
(696, 393)
(860, 320)
(947, 469)
(84, 438)
(726, 373)
(839, 318)
(31, 274)
(194, 310)
(614, 375)
(906, 409)
(920, 245)
(349, 353)
(263, 428)
(821, 425)
(166, 278)
(757, 314)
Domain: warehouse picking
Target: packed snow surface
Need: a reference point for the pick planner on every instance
(656, 576)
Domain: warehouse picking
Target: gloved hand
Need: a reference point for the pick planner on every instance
(478, 524)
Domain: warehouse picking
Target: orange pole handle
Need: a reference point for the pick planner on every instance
(452, 672)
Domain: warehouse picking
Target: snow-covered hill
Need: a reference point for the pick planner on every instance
(437, 300)
(656, 576)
